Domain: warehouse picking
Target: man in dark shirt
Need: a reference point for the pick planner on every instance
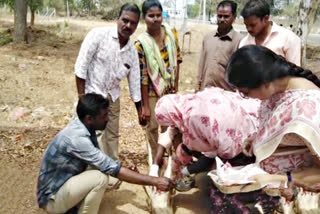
(64, 182)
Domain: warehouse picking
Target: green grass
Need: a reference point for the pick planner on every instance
(5, 38)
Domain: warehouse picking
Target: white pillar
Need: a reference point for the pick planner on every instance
(204, 11)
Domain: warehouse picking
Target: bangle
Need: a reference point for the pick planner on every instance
(289, 177)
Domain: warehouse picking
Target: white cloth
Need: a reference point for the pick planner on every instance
(166, 138)
(227, 175)
(154, 170)
(103, 64)
(305, 203)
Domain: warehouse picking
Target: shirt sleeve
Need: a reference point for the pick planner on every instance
(86, 53)
(134, 78)
(293, 49)
(201, 66)
(176, 37)
(142, 64)
(83, 149)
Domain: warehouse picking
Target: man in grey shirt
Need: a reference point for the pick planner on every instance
(64, 182)
(217, 48)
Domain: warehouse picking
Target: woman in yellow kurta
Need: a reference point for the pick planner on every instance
(159, 56)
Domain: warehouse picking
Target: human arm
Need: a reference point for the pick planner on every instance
(134, 79)
(200, 68)
(158, 159)
(83, 149)
(162, 183)
(165, 142)
(87, 51)
(80, 83)
(144, 84)
(179, 61)
(201, 165)
(176, 80)
(145, 113)
(299, 179)
(293, 49)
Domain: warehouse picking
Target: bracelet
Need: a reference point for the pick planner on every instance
(81, 95)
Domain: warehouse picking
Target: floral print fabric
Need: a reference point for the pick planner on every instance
(213, 120)
(288, 119)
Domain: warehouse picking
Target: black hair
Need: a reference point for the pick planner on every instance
(130, 7)
(258, 8)
(91, 104)
(147, 4)
(231, 4)
(252, 66)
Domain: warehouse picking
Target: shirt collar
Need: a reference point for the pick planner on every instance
(228, 36)
(275, 28)
(78, 123)
(114, 32)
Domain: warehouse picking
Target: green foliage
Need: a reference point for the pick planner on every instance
(59, 5)
(111, 8)
(5, 37)
(193, 10)
(9, 3)
(291, 10)
(35, 4)
(86, 4)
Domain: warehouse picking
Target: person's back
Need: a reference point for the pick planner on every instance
(209, 120)
(262, 31)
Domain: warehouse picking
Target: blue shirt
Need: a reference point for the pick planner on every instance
(69, 154)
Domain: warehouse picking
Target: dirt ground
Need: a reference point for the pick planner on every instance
(37, 99)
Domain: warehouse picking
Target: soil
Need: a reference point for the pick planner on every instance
(37, 99)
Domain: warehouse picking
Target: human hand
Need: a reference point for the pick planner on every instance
(145, 114)
(141, 121)
(176, 87)
(164, 184)
(285, 192)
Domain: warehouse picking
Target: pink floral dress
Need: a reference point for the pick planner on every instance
(214, 120)
(290, 129)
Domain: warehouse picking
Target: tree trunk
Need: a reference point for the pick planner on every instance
(32, 18)
(20, 21)
(306, 18)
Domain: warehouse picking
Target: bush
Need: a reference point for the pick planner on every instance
(112, 14)
(5, 37)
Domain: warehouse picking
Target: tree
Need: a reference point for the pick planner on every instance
(306, 17)
(34, 5)
(20, 21)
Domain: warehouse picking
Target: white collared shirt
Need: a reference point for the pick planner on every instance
(103, 64)
(281, 41)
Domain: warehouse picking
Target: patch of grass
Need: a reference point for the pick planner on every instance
(5, 37)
